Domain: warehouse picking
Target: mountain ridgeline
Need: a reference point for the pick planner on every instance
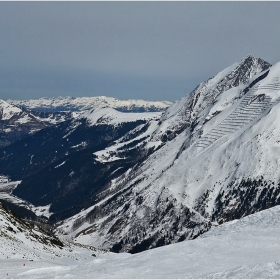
(78, 104)
(129, 182)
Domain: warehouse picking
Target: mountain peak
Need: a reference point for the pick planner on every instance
(250, 60)
(249, 56)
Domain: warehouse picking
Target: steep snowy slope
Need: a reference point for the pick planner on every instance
(23, 244)
(222, 166)
(183, 113)
(18, 236)
(245, 248)
(89, 103)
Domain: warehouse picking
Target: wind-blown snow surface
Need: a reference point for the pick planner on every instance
(245, 248)
(89, 103)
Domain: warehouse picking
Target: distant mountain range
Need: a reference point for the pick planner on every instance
(19, 119)
(78, 104)
(129, 182)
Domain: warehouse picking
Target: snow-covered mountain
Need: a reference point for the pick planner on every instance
(246, 248)
(16, 233)
(183, 113)
(111, 116)
(219, 165)
(20, 118)
(118, 182)
(77, 104)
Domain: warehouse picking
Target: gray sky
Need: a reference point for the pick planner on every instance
(142, 50)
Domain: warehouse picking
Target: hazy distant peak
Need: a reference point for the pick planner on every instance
(74, 104)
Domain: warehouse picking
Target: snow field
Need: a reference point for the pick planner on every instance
(245, 248)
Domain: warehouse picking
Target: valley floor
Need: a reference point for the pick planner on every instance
(247, 248)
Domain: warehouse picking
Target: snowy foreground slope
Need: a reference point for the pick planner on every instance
(245, 248)
(24, 243)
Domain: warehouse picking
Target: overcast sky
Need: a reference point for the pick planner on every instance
(142, 50)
